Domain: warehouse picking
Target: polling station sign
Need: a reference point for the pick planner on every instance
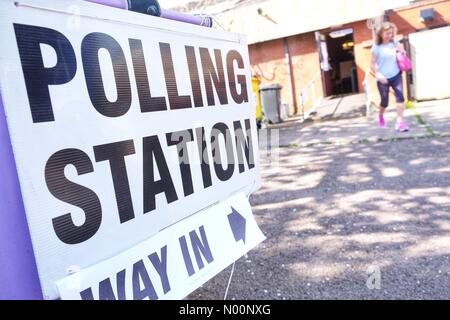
(174, 262)
(122, 125)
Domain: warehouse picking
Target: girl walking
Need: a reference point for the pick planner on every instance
(387, 72)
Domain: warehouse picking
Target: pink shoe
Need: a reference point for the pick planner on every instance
(401, 127)
(381, 122)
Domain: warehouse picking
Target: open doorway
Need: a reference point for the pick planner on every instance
(341, 77)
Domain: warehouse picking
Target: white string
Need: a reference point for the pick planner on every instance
(229, 282)
(217, 22)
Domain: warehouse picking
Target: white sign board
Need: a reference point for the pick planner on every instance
(176, 261)
(122, 125)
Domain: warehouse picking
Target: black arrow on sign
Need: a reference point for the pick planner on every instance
(237, 224)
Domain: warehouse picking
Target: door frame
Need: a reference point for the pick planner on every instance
(320, 38)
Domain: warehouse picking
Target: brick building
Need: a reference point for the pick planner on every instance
(316, 49)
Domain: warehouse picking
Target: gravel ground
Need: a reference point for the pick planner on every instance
(359, 221)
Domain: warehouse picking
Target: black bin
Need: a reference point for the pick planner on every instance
(271, 102)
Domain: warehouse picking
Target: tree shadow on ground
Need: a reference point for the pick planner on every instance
(332, 214)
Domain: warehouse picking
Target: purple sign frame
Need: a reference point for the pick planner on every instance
(18, 272)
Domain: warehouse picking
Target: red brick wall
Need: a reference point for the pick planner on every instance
(306, 65)
(408, 19)
(363, 44)
(268, 58)
(269, 64)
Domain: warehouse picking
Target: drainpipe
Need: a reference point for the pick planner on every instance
(291, 80)
(409, 74)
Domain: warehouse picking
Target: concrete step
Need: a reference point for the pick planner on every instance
(341, 107)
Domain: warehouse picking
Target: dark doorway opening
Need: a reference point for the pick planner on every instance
(342, 78)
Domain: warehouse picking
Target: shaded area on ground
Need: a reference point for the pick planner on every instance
(436, 114)
(346, 130)
(341, 107)
(331, 212)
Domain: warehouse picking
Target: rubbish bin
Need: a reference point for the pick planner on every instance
(271, 102)
(259, 114)
(255, 88)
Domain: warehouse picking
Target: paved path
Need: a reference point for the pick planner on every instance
(341, 216)
(436, 114)
(362, 129)
(345, 106)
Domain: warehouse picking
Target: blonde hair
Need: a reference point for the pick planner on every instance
(385, 26)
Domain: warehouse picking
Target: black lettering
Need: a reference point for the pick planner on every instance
(115, 153)
(203, 154)
(152, 150)
(90, 47)
(201, 247)
(147, 102)
(186, 256)
(38, 78)
(65, 190)
(105, 289)
(180, 139)
(140, 273)
(232, 56)
(87, 294)
(194, 76)
(244, 144)
(176, 101)
(211, 75)
(160, 266)
(222, 129)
